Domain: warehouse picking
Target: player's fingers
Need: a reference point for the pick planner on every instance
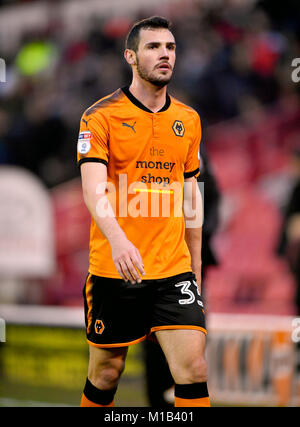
(132, 269)
(140, 264)
(121, 267)
(125, 266)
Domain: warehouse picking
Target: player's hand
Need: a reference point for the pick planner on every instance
(199, 284)
(127, 260)
(198, 279)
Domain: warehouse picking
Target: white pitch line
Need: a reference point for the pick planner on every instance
(5, 402)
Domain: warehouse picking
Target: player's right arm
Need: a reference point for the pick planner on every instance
(126, 256)
(93, 158)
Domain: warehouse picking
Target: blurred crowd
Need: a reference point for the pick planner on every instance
(230, 59)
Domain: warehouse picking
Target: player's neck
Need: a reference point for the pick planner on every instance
(149, 95)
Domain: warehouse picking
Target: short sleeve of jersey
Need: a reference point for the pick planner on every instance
(93, 140)
(191, 166)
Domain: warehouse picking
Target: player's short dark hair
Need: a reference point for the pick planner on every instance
(154, 22)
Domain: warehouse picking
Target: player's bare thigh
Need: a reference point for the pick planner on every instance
(184, 350)
(106, 366)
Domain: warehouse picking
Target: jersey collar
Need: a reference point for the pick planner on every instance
(136, 102)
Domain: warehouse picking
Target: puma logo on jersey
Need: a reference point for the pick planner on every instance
(129, 126)
(86, 121)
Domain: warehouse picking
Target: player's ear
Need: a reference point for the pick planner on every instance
(130, 56)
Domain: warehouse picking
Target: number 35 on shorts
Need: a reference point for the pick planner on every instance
(189, 291)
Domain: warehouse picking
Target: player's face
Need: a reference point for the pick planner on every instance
(155, 58)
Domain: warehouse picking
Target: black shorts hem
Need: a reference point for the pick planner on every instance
(173, 327)
(115, 345)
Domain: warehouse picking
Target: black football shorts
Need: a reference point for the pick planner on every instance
(118, 313)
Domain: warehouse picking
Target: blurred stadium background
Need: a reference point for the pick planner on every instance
(234, 67)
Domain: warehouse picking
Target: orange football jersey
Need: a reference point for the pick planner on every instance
(147, 155)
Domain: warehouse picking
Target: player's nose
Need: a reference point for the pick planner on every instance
(164, 53)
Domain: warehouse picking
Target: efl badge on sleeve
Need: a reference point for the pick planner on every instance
(84, 142)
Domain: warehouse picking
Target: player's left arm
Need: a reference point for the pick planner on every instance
(192, 208)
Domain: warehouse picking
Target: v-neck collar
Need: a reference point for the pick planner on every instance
(136, 102)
